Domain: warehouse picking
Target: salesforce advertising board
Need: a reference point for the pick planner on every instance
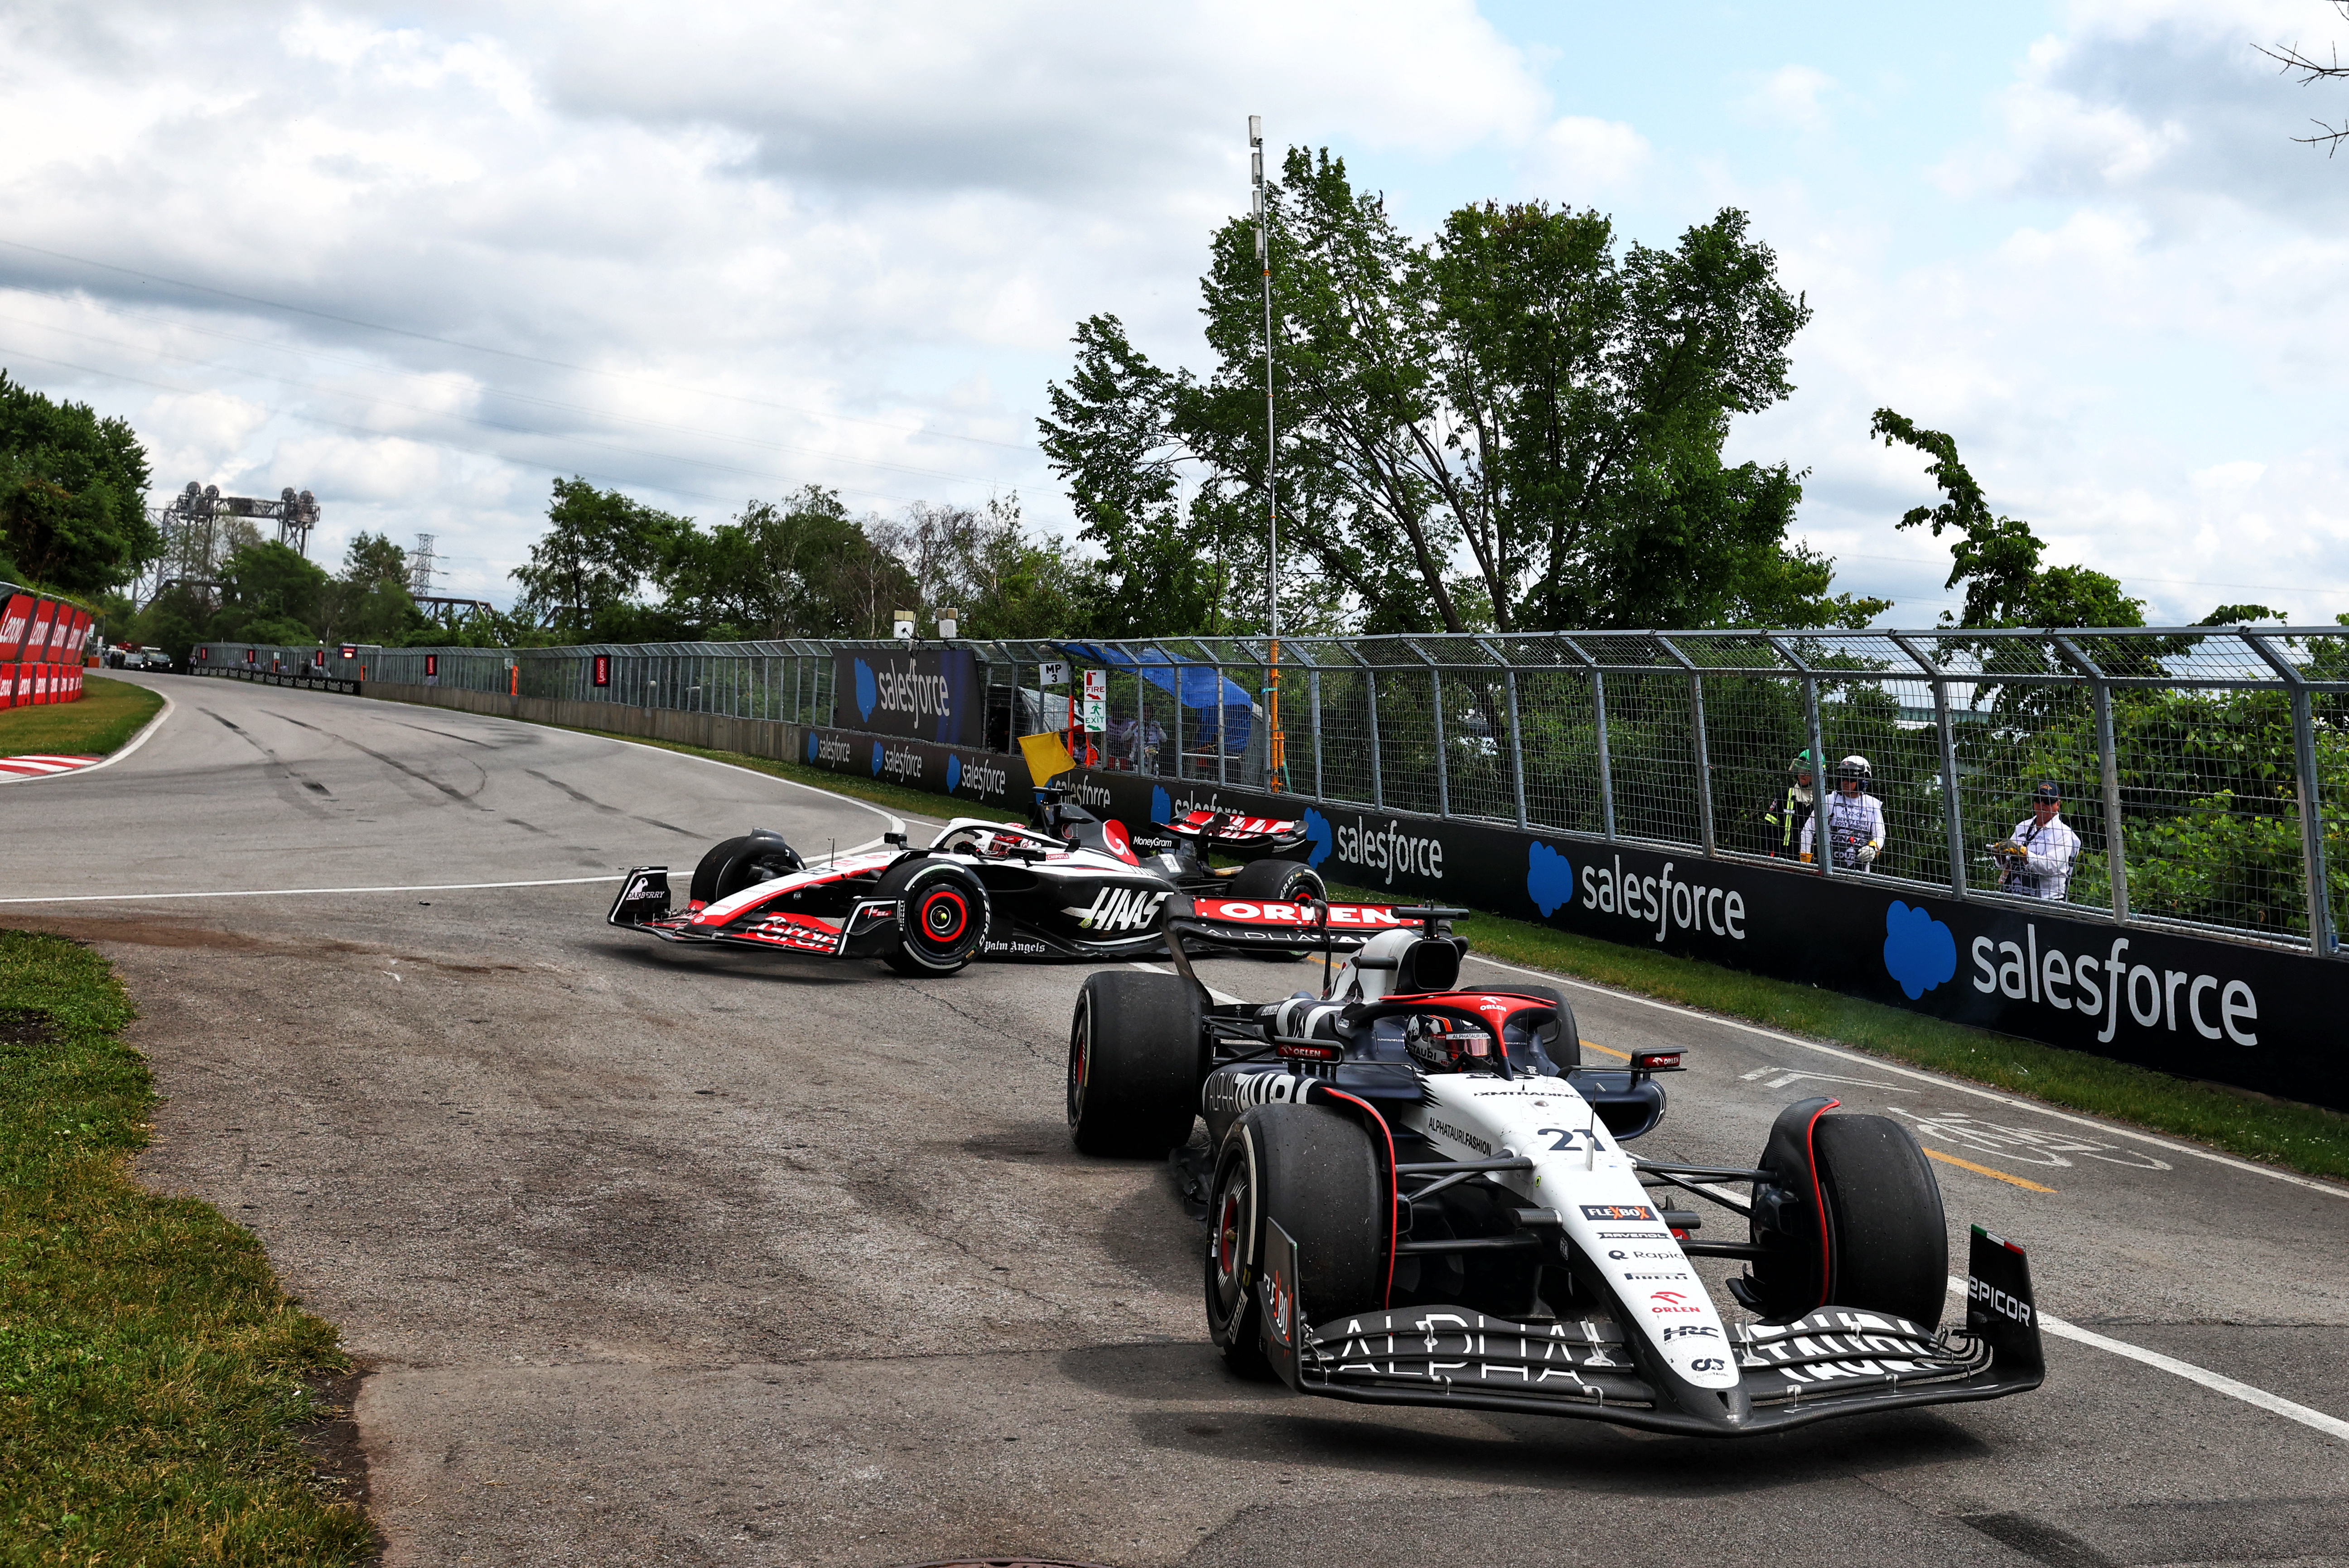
(2223, 1010)
(931, 695)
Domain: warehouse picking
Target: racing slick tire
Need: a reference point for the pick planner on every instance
(1314, 1172)
(1854, 1220)
(1279, 882)
(1135, 1050)
(734, 864)
(942, 916)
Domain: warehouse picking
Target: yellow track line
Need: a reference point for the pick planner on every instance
(1984, 1170)
(1607, 1050)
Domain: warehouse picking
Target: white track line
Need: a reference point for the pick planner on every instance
(112, 757)
(2331, 1425)
(1880, 1064)
(303, 892)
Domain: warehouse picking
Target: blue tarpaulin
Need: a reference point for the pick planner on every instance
(1193, 685)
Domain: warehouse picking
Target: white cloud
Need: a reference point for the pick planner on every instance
(1790, 96)
(1576, 156)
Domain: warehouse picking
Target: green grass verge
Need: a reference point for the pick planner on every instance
(2300, 1138)
(109, 713)
(2280, 1132)
(151, 1372)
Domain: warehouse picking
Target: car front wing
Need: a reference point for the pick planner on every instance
(1836, 1361)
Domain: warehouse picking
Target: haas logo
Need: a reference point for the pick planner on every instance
(1116, 909)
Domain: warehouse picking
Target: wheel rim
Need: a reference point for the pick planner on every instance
(943, 916)
(1080, 1058)
(1229, 1263)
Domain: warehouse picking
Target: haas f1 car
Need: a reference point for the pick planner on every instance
(1065, 884)
(1416, 1194)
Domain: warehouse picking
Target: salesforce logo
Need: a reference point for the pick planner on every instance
(953, 773)
(868, 697)
(1162, 805)
(1919, 953)
(813, 743)
(877, 759)
(1549, 879)
(1319, 833)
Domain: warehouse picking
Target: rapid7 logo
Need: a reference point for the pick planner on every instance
(1116, 909)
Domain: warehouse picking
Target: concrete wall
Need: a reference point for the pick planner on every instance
(712, 732)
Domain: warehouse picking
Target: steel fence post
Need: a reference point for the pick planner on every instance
(1696, 737)
(2323, 939)
(1442, 757)
(1378, 769)
(1223, 726)
(1517, 750)
(1313, 696)
(2116, 845)
(1824, 856)
(1598, 726)
(1952, 818)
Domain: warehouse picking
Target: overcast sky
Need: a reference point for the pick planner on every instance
(420, 260)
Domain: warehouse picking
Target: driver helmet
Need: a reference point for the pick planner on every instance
(1801, 766)
(1855, 767)
(1441, 1044)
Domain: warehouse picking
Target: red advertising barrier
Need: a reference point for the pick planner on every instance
(44, 643)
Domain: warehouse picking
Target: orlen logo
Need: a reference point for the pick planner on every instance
(1665, 1302)
(1389, 850)
(1116, 909)
(827, 749)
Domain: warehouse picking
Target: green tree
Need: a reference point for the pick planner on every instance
(368, 601)
(1512, 426)
(1997, 559)
(73, 494)
(798, 568)
(600, 550)
(271, 594)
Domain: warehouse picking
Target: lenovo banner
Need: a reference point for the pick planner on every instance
(932, 695)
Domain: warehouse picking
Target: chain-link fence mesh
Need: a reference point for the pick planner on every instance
(2209, 766)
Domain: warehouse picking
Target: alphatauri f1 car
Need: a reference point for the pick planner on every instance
(1065, 884)
(1416, 1193)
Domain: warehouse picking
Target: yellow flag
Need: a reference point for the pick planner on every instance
(1047, 757)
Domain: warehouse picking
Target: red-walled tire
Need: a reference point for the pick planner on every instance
(942, 916)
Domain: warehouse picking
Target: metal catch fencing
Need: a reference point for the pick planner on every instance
(2205, 770)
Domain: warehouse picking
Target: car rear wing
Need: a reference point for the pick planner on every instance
(1310, 926)
(1237, 835)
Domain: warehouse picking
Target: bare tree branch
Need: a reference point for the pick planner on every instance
(2292, 57)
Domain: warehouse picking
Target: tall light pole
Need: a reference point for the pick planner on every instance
(1277, 750)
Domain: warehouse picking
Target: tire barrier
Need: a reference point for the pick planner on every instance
(44, 647)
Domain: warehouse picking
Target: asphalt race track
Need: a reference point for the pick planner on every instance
(676, 1257)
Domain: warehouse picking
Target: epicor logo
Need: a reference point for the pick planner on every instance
(1611, 890)
(1389, 850)
(2022, 972)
